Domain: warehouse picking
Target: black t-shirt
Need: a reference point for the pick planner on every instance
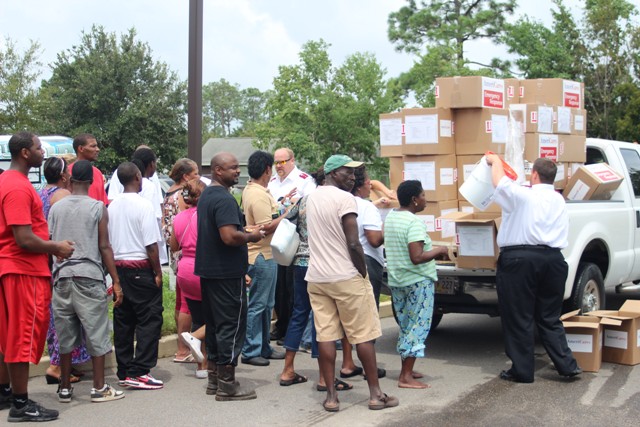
(214, 259)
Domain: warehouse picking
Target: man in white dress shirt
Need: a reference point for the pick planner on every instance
(290, 183)
(531, 271)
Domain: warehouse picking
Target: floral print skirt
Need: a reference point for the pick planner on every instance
(413, 306)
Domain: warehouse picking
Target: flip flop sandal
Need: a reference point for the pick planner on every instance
(297, 379)
(331, 407)
(338, 384)
(385, 402)
(381, 373)
(357, 371)
(187, 359)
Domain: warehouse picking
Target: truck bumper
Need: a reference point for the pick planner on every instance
(466, 291)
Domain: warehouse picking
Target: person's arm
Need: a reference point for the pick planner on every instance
(419, 256)
(379, 187)
(173, 242)
(382, 202)
(107, 256)
(350, 228)
(154, 257)
(374, 237)
(231, 236)
(27, 240)
(497, 169)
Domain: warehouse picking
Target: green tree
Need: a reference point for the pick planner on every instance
(113, 88)
(221, 103)
(252, 110)
(18, 92)
(318, 110)
(437, 31)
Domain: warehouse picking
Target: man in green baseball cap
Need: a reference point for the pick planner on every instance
(339, 160)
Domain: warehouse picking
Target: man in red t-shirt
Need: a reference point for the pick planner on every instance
(25, 288)
(86, 148)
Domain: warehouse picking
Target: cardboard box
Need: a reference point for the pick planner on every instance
(584, 336)
(559, 148)
(561, 92)
(533, 117)
(464, 206)
(621, 343)
(470, 92)
(571, 121)
(475, 238)
(438, 175)
(597, 181)
(479, 130)
(430, 215)
(396, 168)
(562, 175)
(391, 129)
(512, 91)
(427, 131)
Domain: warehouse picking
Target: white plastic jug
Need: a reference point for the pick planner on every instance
(478, 189)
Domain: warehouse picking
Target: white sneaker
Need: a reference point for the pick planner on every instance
(202, 374)
(194, 345)
(107, 394)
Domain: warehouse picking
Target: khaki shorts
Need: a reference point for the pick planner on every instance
(345, 308)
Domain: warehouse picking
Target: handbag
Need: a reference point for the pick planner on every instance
(284, 243)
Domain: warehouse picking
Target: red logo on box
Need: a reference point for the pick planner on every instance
(606, 175)
(572, 100)
(549, 153)
(493, 99)
(521, 92)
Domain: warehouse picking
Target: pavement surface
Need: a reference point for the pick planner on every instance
(464, 356)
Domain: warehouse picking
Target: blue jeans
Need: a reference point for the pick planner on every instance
(262, 293)
(300, 314)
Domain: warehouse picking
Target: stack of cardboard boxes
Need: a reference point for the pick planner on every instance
(440, 147)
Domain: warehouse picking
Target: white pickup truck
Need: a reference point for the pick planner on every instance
(603, 251)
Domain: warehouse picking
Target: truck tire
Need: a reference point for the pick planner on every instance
(588, 289)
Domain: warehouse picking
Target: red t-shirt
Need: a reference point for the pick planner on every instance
(96, 190)
(20, 205)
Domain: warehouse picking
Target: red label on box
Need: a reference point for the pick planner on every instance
(606, 175)
(438, 224)
(521, 92)
(493, 99)
(457, 239)
(549, 153)
(572, 100)
(487, 126)
(402, 133)
(510, 92)
(534, 117)
(437, 91)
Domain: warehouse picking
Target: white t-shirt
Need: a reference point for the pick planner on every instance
(329, 259)
(132, 226)
(534, 215)
(369, 219)
(303, 182)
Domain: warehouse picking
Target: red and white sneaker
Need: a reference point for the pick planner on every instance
(144, 382)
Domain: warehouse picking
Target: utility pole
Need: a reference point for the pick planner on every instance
(194, 119)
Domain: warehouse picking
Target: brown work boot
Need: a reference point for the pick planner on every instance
(230, 389)
(212, 378)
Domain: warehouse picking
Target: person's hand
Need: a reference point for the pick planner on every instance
(64, 249)
(118, 295)
(491, 158)
(247, 280)
(382, 202)
(291, 193)
(255, 234)
(159, 279)
(443, 252)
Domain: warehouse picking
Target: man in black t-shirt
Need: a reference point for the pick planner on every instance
(221, 263)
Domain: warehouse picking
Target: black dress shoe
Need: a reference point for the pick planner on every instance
(573, 373)
(508, 376)
(255, 361)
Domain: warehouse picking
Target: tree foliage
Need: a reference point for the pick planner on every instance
(18, 74)
(113, 88)
(318, 110)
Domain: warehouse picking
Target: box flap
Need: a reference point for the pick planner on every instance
(610, 314)
(610, 322)
(570, 324)
(630, 308)
(569, 314)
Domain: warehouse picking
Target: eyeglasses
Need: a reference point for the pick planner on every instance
(281, 162)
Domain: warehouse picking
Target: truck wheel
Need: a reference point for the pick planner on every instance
(588, 289)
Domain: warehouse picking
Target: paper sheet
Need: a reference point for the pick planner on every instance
(476, 240)
(391, 132)
(499, 129)
(425, 172)
(421, 129)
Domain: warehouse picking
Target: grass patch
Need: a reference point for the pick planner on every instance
(385, 298)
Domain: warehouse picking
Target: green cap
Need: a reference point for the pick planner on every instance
(339, 160)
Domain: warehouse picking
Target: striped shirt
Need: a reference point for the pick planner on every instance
(400, 229)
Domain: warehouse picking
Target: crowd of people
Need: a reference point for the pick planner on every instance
(57, 247)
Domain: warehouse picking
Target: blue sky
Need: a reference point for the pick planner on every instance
(244, 40)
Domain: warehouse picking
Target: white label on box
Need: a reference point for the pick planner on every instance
(492, 92)
(580, 343)
(615, 339)
(578, 122)
(445, 129)
(467, 170)
(637, 337)
(390, 132)
(425, 172)
(446, 176)
(564, 120)
(448, 228)
(578, 191)
(421, 129)
(560, 172)
(476, 240)
(429, 221)
(572, 94)
(548, 147)
(499, 126)
(545, 119)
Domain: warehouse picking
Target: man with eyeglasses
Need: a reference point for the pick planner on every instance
(288, 186)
